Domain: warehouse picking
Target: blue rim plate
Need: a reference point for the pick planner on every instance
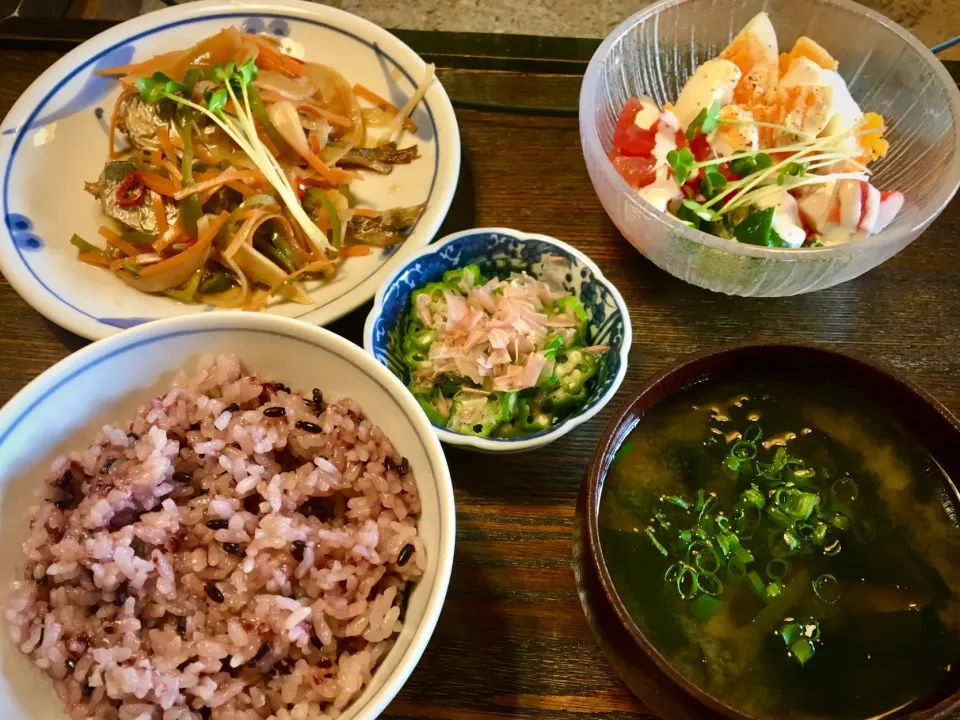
(498, 250)
(55, 138)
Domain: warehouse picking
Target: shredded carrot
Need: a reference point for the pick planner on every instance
(164, 137)
(113, 121)
(268, 142)
(366, 212)
(334, 176)
(118, 242)
(244, 190)
(156, 157)
(270, 58)
(94, 258)
(371, 97)
(314, 144)
(174, 172)
(159, 214)
(158, 183)
(354, 250)
(174, 234)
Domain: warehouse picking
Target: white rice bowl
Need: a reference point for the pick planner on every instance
(294, 565)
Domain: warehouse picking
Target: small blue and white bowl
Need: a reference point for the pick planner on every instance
(499, 251)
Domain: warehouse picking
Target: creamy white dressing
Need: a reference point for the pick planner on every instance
(661, 191)
(786, 217)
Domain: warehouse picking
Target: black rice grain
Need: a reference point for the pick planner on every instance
(315, 641)
(231, 408)
(218, 524)
(65, 480)
(120, 597)
(182, 477)
(182, 627)
(404, 466)
(275, 412)
(322, 508)
(213, 592)
(232, 548)
(298, 547)
(404, 555)
(42, 580)
(107, 465)
(205, 713)
(87, 690)
(64, 504)
(283, 388)
(139, 547)
(309, 427)
(70, 664)
(133, 436)
(261, 654)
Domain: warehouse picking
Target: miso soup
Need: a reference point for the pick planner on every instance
(789, 548)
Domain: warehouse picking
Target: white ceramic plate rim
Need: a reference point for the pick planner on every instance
(447, 139)
(21, 404)
(515, 445)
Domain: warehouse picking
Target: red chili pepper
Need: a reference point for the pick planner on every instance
(132, 190)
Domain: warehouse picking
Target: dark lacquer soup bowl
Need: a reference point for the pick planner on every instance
(770, 532)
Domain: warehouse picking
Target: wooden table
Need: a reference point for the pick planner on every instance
(512, 640)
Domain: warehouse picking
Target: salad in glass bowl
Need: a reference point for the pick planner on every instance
(760, 147)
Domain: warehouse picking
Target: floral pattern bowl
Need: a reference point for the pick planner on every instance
(499, 251)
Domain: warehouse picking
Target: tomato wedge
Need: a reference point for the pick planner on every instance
(637, 171)
(628, 139)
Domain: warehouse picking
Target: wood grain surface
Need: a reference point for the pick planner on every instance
(512, 640)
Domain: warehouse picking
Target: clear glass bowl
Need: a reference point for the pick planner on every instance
(888, 71)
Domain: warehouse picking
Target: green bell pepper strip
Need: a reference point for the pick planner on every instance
(756, 229)
(83, 246)
(218, 282)
(190, 208)
(315, 194)
(188, 290)
(433, 415)
(260, 115)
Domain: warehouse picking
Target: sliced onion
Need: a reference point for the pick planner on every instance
(286, 87)
(262, 270)
(334, 91)
(170, 273)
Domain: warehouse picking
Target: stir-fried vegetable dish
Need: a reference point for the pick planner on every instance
(760, 148)
(231, 182)
(498, 357)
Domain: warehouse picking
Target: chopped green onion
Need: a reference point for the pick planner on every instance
(704, 557)
(777, 568)
(845, 490)
(744, 450)
(709, 583)
(687, 584)
(752, 497)
(832, 549)
(736, 568)
(797, 504)
(672, 573)
(705, 607)
(622, 453)
(756, 582)
(723, 523)
(656, 543)
(753, 433)
(773, 590)
(678, 501)
(827, 589)
(864, 530)
(802, 651)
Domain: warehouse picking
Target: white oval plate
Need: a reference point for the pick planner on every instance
(55, 138)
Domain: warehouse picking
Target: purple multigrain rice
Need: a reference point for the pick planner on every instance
(116, 605)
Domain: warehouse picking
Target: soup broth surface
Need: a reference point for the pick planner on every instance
(859, 620)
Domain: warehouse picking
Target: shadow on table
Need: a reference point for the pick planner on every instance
(473, 658)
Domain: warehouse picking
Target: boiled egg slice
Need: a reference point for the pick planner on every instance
(713, 80)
